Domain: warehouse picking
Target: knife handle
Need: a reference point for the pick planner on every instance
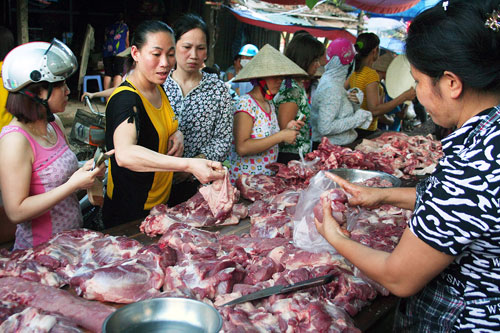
(319, 281)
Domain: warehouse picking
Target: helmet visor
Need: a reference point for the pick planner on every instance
(60, 59)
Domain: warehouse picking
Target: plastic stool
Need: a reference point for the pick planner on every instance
(99, 83)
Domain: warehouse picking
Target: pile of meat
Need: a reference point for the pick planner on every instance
(394, 153)
(215, 268)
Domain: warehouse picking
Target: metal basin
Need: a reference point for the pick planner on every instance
(357, 176)
(169, 314)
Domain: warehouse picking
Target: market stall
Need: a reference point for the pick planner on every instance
(257, 252)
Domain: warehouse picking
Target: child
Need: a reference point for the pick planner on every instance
(256, 131)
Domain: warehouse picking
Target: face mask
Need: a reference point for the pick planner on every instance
(244, 62)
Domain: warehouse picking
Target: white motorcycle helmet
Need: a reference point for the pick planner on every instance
(35, 62)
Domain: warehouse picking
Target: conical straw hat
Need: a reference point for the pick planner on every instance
(269, 62)
(398, 78)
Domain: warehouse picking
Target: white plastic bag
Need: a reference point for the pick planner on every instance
(305, 235)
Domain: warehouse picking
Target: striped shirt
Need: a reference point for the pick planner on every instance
(457, 212)
(360, 80)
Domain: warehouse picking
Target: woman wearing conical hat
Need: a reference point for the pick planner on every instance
(256, 131)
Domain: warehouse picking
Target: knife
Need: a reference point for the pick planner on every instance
(280, 289)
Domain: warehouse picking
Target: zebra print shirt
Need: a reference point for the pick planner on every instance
(457, 212)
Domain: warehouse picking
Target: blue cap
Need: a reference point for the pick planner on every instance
(249, 50)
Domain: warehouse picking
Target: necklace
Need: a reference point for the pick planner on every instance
(49, 138)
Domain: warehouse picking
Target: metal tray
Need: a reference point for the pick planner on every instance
(169, 314)
(356, 175)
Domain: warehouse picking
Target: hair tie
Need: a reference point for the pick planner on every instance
(493, 21)
(360, 45)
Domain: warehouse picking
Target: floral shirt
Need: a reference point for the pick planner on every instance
(115, 39)
(264, 125)
(205, 116)
(296, 94)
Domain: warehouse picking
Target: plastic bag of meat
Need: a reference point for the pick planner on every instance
(305, 235)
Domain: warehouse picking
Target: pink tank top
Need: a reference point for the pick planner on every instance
(52, 167)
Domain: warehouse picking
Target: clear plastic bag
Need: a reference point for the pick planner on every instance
(305, 235)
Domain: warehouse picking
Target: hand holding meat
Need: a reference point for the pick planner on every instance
(329, 228)
(360, 195)
(205, 170)
(176, 144)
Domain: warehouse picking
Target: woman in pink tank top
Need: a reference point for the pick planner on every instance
(39, 174)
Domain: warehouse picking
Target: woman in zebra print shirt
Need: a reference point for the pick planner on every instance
(447, 264)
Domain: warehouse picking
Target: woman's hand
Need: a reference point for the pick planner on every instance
(205, 170)
(295, 124)
(288, 135)
(91, 95)
(352, 96)
(329, 228)
(361, 195)
(176, 144)
(84, 177)
(410, 94)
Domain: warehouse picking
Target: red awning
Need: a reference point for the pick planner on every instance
(374, 6)
(317, 31)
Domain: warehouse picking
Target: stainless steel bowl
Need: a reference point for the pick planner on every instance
(356, 176)
(169, 314)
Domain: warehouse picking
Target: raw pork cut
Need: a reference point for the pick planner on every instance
(34, 320)
(194, 212)
(220, 196)
(87, 314)
(106, 268)
(257, 187)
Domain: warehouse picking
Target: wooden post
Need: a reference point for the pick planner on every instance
(22, 22)
(88, 45)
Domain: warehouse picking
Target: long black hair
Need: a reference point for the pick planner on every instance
(454, 38)
(303, 49)
(365, 43)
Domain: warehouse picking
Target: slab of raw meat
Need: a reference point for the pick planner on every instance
(299, 313)
(125, 281)
(106, 268)
(337, 199)
(204, 279)
(194, 212)
(410, 155)
(87, 314)
(220, 196)
(379, 228)
(34, 320)
(257, 187)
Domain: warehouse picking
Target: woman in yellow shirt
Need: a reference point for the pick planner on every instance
(6, 44)
(367, 80)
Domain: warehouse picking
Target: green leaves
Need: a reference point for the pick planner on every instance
(311, 3)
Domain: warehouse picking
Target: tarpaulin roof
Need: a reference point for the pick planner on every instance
(375, 6)
(287, 23)
(409, 14)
